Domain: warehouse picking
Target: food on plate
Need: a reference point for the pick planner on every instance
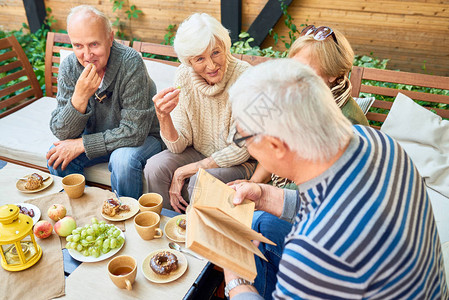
(34, 182)
(95, 239)
(181, 226)
(56, 212)
(112, 207)
(26, 211)
(164, 262)
(42, 229)
(65, 226)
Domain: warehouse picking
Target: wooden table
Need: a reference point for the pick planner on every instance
(91, 279)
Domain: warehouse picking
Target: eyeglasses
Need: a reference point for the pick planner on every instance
(240, 142)
(320, 34)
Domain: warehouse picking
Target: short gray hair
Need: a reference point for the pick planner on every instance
(88, 9)
(197, 33)
(286, 99)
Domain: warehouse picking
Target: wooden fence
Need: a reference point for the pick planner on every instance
(413, 34)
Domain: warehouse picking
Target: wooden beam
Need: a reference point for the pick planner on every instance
(266, 20)
(231, 17)
(35, 11)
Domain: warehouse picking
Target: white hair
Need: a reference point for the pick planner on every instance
(196, 34)
(286, 99)
(87, 9)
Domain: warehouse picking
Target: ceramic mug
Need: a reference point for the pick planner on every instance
(74, 185)
(122, 271)
(147, 225)
(151, 202)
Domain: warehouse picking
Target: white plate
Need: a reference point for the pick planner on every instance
(79, 257)
(154, 277)
(133, 209)
(37, 211)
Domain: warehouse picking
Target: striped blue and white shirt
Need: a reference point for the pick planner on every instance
(364, 230)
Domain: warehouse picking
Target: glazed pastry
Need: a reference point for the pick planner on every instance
(181, 226)
(112, 207)
(34, 181)
(163, 263)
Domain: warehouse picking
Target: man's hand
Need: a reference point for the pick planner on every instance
(266, 197)
(64, 152)
(85, 87)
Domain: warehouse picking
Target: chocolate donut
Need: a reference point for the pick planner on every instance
(163, 263)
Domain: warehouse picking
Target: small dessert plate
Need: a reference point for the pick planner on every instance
(154, 277)
(48, 180)
(36, 210)
(125, 215)
(171, 229)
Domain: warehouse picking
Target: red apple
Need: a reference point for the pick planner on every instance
(56, 212)
(43, 229)
(65, 226)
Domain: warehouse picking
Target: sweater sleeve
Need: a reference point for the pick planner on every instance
(291, 205)
(137, 111)
(231, 155)
(179, 116)
(66, 122)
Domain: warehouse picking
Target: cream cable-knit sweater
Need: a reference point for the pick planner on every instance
(203, 116)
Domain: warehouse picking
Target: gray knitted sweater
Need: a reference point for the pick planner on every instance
(124, 119)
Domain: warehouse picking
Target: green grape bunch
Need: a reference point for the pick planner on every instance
(95, 239)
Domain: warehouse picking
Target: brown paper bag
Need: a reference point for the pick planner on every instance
(220, 231)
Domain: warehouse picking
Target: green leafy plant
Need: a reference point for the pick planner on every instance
(131, 13)
(169, 37)
(242, 46)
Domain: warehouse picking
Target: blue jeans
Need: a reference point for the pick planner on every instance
(275, 230)
(125, 164)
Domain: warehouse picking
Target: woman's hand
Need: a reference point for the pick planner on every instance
(181, 174)
(165, 101)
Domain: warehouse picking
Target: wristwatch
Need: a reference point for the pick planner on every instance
(235, 283)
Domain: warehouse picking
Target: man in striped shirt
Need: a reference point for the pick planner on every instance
(363, 224)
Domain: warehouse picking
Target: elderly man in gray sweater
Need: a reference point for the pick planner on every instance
(104, 112)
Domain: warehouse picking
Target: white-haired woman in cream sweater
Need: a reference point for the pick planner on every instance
(195, 117)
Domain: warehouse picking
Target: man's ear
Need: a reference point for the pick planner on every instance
(112, 37)
(277, 146)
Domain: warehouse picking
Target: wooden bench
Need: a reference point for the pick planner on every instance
(362, 80)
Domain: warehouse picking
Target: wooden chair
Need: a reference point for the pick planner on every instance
(360, 75)
(56, 42)
(15, 65)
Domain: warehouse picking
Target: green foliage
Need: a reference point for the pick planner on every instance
(169, 37)
(292, 28)
(242, 46)
(34, 46)
(131, 13)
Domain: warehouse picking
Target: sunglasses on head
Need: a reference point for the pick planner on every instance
(319, 33)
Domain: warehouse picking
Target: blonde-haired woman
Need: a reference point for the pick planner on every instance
(196, 118)
(330, 55)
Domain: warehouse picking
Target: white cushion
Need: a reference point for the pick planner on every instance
(162, 74)
(26, 137)
(425, 138)
(63, 55)
(365, 103)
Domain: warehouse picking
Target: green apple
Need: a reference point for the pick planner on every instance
(65, 226)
